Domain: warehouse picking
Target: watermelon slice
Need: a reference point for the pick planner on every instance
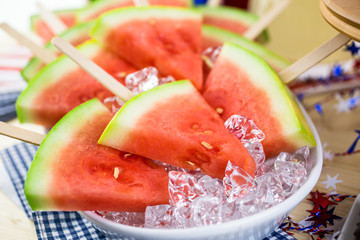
(74, 35)
(242, 83)
(71, 171)
(42, 30)
(62, 85)
(231, 18)
(214, 36)
(95, 9)
(172, 123)
(164, 37)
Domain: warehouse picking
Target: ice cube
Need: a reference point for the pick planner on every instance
(145, 79)
(182, 217)
(269, 189)
(257, 152)
(113, 103)
(206, 211)
(183, 188)
(135, 219)
(247, 205)
(159, 216)
(291, 171)
(237, 183)
(211, 186)
(244, 129)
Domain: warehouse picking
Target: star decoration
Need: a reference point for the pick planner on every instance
(352, 48)
(319, 201)
(331, 181)
(342, 104)
(328, 154)
(323, 217)
(316, 223)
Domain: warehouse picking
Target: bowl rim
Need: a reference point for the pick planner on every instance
(284, 207)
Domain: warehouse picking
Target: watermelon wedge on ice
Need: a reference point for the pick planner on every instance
(242, 83)
(95, 9)
(172, 123)
(214, 36)
(74, 35)
(62, 85)
(167, 38)
(71, 171)
(42, 30)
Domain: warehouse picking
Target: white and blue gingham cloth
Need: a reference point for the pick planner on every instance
(59, 225)
(7, 105)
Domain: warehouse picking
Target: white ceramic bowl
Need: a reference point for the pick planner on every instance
(257, 226)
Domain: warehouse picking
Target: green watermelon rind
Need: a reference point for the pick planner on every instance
(48, 75)
(223, 35)
(230, 13)
(126, 118)
(38, 179)
(34, 65)
(114, 18)
(283, 103)
(92, 8)
(234, 14)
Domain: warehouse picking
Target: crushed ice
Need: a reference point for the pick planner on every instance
(197, 199)
(145, 79)
(137, 82)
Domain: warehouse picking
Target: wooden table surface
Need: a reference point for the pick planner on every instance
(297, 31)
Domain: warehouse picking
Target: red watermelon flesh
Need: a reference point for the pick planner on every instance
(166, 38)
(39, 26)
(62, 85)
(72, 172)
(172, 123)
(95, 9)
(242, 83)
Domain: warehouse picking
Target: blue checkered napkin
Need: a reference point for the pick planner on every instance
(279, 234)
(7, 105)
(59, 225)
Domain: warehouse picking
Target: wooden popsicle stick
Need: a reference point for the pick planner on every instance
(40, 52)
(97, 72)
(213, 3)
(312, 58)
(55, 24)
(21, 134)
(141, 3)
(266, 19)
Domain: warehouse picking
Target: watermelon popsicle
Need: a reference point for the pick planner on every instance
(145, 36)
(62, 85)
(254, 90)
(205, 139)
(72, 172)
